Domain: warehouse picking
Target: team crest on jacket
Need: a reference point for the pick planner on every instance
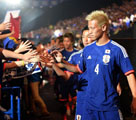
(106, 59)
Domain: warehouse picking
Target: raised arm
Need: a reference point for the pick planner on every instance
(5, 26)
(24, 46)
(60, 72)
(9, 54)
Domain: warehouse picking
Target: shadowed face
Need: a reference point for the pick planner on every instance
(95, 31)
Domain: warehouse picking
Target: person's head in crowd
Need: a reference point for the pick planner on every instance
(48, 45)
(98, 24)
(68, 40)
(59, 42)
(85, 36)
(53, 41)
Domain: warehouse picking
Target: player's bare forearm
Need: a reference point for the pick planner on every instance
(71, 67)
(59, 72)
(132, 84)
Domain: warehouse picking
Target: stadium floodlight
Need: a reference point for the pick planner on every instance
(13, 2)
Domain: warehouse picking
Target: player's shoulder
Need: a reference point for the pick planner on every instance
(77, 53)
(119, 48)
(75, 50)
(89, 46)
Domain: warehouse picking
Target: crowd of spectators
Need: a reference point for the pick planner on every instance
(121, 17)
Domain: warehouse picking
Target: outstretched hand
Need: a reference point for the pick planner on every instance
(57, 55)
(34, 59)
(24, 46)
(5, 26)
(47, 60)
(29, 55)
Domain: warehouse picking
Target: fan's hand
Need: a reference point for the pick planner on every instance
(5, 26)
(34, 59)
(24, 46)
(30, 54)
(47, 60)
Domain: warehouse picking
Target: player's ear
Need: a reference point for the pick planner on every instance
(104, 27)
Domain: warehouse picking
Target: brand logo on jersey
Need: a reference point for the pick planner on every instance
(106, 59)
(89, 57)
(107, 51)
(78, 117)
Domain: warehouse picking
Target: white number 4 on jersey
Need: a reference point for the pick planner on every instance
(97, 69)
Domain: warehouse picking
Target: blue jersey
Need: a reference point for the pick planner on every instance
(102, 64)
(80, 82)
(67, 54)
(75, 59)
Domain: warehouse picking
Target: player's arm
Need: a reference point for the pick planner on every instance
(59, 58)
(132, 84)
(60, 72)
(72, 68)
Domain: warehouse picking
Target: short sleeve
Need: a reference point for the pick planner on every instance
(123, 61)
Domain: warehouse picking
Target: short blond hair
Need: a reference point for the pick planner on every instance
(100, 16)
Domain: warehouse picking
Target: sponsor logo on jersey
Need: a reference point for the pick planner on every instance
(78, 117)
(106, 59)
(107, 51)
(89, 57)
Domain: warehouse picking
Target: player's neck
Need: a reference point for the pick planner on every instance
(103, 40)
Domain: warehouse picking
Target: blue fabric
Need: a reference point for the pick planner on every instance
(101, 115)
(9, 44)
(67, 54)
(80, 82)
(34, 77)
(102, 65)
